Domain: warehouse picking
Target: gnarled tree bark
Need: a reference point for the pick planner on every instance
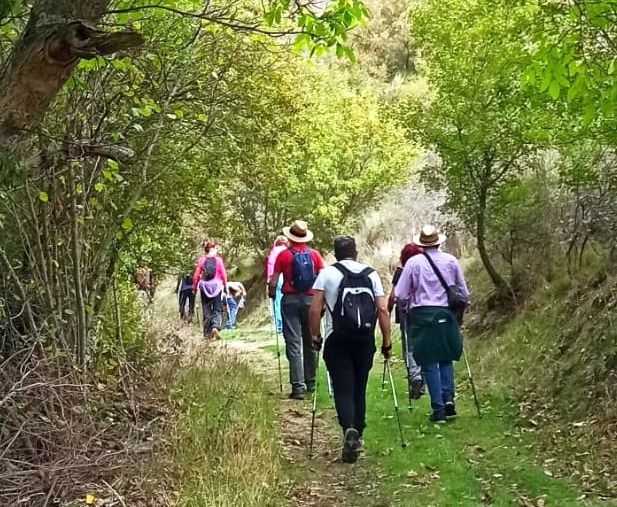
(58, 34)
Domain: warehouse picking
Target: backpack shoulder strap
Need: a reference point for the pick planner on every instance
(342, 269)
(367, 271)
(436, 271)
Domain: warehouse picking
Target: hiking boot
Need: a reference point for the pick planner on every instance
(214, 334)
(296, 395)
(449, 410)
(351, 444)
(438, 417)
(416, 389)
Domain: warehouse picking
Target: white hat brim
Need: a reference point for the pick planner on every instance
(440, 239)
(297, 239)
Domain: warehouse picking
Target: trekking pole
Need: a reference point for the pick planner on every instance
(383, 377)
(314, 408)
(278, 348)
(328, 378)
(396, 411)
(473, 387)
(228, 312)
(198, 310)
(406, 359)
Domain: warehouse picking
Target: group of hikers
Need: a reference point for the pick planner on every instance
(428, 296)
(216, 293)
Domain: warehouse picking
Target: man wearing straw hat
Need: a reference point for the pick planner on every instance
(299, 266)
(432, 325)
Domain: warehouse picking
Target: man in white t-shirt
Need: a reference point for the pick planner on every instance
(350, 338)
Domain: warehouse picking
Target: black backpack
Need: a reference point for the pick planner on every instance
(209, 268)
(355, 312)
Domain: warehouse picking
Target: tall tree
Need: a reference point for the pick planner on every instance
(476, 118)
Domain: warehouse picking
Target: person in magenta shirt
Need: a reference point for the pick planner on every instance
(210, 278)
(432, 327)
(281, 243)
(299, 266)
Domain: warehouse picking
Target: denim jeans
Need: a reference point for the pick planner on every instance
(298, 344)
(414, 371)
(439, 378)
(232, 312)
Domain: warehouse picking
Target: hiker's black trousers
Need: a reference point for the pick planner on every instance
(185, 296)
(349, 363)
(212, 313)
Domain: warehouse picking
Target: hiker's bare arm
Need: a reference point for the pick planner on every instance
(315, 312)
(384, 320)
(272, 283)
(391, 301)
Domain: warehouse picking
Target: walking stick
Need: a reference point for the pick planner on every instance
(314, 408)
(473, 387)
(330, 392)
(396, 411)
(383, 377)
(278, 349)
(406, 358)
(198, 310)
(328, 378)
(228, 312)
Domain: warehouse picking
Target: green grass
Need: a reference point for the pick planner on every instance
(226, 437)
(468, 462)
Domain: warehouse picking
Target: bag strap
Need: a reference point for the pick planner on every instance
(342, 269)
(366, 271)
(436, 271)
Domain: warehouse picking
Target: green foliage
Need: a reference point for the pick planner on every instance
(314, 148)
(574, 56)
(120, 337)
(478, 119)
(321, 27)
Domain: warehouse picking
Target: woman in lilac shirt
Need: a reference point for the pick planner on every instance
(432, 327)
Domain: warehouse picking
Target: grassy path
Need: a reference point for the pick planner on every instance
(468, 462)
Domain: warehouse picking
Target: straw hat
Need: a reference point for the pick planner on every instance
(298, 232)
(429, 236)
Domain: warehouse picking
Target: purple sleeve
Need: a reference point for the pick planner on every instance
(460, 279)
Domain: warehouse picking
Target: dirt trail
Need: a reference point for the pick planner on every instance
(323, 480)
(320, 481)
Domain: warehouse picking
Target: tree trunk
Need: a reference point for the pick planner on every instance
(500, 284)
(58, 34)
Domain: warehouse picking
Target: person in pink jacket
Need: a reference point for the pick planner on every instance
(210, 278)
(280, 243)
